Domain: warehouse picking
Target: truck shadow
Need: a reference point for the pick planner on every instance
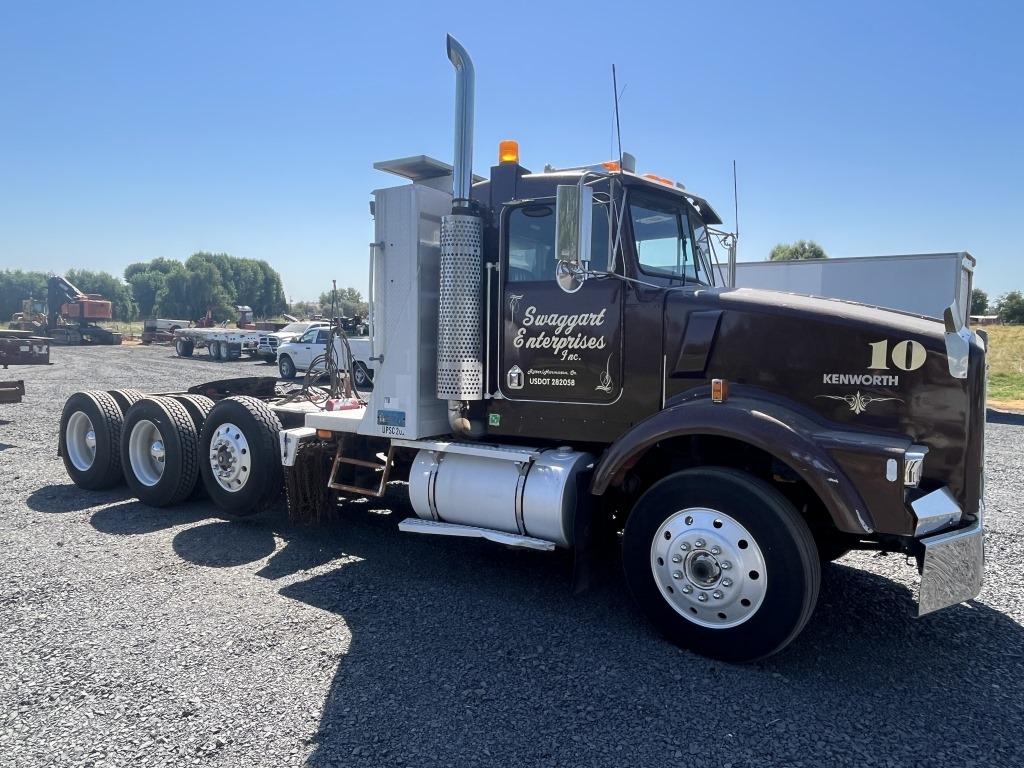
(64, 498)
(462, 651)
(1004, 417)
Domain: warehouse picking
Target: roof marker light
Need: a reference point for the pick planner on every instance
(508, 151)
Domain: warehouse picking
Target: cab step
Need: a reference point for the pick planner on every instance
(416, 525)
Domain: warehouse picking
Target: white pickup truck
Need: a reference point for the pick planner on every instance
(298, 355)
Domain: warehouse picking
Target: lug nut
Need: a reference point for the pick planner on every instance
(677, 558)
(702, 597)
(685, 546)
(717, 594)
(716, 550)
(677, 574)
(698, 543)
(726, 582)
(687, 589)
(726, 565)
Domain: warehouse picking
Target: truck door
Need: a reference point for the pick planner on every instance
(555, 346)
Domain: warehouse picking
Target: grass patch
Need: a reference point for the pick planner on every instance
(1006, 365)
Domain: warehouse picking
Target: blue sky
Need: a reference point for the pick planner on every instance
(135, 130)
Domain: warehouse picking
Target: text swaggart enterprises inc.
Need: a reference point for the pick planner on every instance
(562, 327)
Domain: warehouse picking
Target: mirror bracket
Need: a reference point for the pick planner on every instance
(574, 212)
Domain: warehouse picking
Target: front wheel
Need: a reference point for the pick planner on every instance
(287, 367)
(721, 563)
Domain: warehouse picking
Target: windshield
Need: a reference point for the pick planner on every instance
(295, 328)
(665, 241)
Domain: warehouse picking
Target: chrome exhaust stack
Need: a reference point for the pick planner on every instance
(460, 358)
(465, 87)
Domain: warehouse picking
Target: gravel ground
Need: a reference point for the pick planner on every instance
(174, 637)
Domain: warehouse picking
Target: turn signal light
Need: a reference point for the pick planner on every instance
(508, 151)
(719, 390)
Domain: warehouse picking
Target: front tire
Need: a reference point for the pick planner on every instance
(721, 563)
(286, 367)
(241, 467)
(213, 350)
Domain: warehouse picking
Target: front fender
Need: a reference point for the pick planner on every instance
(849, 471)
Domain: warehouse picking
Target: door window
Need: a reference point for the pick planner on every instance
(664, 242)
(308, 337)
(531, 242)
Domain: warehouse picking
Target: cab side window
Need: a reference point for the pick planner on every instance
(308, 337)
(321, 336)
(531, 242)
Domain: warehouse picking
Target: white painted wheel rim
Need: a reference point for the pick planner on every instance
(230, 457)
(146, 452)
(360, 376)
(709, 568)
(80, 439)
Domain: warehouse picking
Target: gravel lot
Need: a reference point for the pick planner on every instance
(174, 637)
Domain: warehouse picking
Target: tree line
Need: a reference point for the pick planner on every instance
(166, 287)
(205, 281)
(183, 290)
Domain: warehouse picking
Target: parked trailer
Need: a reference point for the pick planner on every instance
(220, 343)
(920, 283)
(556, 368)
(20, 348)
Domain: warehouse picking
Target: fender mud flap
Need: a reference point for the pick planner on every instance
(952, 568)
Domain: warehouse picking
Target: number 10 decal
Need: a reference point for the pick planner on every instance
(906, 355)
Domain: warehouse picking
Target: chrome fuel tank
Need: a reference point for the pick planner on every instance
(525, 491)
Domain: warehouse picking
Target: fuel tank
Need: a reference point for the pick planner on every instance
(532, 493)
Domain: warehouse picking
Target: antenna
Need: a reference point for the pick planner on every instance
(618, 128)
(735, 201)
(736, 221)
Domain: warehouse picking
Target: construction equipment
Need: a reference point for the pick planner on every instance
(554, 362)
(68, 316)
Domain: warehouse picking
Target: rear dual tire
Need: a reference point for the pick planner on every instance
(721, 563)
(184, 347)
(160, 451)
(90, 438)
(240, 466)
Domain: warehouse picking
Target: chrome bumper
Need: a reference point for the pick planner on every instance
(954, 563)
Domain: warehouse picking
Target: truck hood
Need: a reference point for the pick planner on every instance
(816, 307)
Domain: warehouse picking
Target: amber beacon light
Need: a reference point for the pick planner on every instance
(508, 151)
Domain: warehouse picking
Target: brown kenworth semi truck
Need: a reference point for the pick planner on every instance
(558, 363)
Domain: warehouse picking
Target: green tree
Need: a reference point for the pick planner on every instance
(979, 302)
(1010, 308)
(801, 250)
(349, 303)
(17, 285)
(206, 280)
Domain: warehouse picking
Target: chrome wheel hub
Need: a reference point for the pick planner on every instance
(81, 441)
(709, 568)
(146, 452)
(230, 458)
